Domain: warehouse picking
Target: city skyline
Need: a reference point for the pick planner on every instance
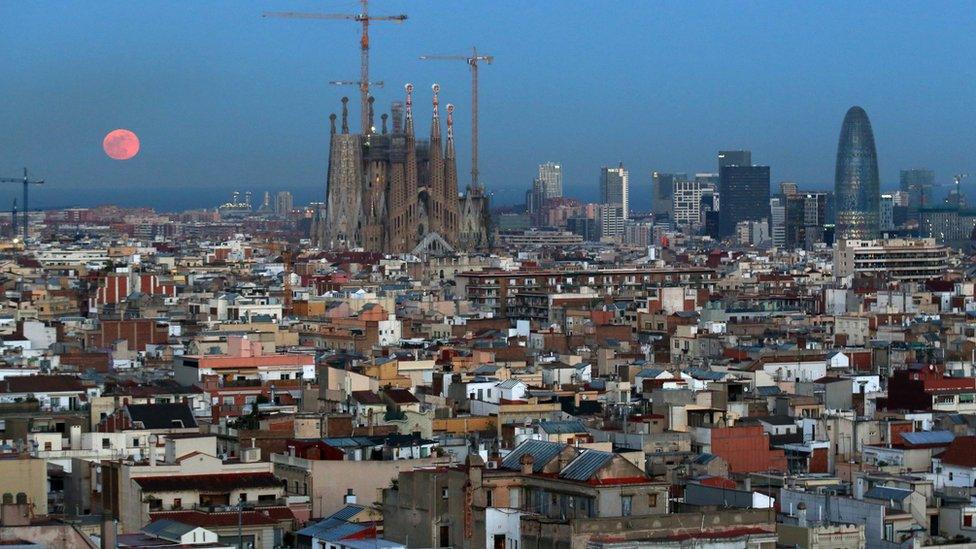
(783, 113)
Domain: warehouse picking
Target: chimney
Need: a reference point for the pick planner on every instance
(748, 484)
(75, 437)
(527, 462)
(350, 497)
(109, 532)
(801, 515)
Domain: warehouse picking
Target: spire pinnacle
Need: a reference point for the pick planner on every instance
(345, 115)
(332, 120)
(370, 127)
(435, 127)
(409, 108)
(383, 119)
(450, 130)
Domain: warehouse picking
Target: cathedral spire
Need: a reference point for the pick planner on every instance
(435, 124)
(409, 109)
(332, 119)
(383, 119)
(345, 115)
(370, 126)
(450, 131)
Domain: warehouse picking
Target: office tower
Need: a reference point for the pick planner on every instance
(886, 213)
(734, 158)
(686, 204)
(707, 180)
(856, 183)
(284, 203)
(745, 196)
(611, 220)
(587, 227)
(918, 184)
(806, 215)
(663, 192)
(550, 180)
(615, 187)
(777, 222)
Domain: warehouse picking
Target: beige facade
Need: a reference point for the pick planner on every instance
(21, 474)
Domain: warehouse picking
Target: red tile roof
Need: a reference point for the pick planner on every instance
(961, 452)
(250, 517)
(208, 483)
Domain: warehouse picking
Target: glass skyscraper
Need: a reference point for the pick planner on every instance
(856, 184)
(744, 195)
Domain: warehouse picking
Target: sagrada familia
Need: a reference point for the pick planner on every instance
(390, 192)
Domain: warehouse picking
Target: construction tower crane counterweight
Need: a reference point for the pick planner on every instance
(472, 60)
(26, 182)
(364, 19)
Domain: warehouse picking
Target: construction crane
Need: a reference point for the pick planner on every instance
(472, 62)
(363, 18)
(27, 182)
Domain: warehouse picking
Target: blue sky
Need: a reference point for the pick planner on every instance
(224, 99)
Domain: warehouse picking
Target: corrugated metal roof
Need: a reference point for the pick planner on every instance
(541, 451)
(563, 427)
(886, 493)
(586, 465)
(169, 530)
(919, 438)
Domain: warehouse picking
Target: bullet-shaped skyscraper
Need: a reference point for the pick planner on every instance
(856, 184)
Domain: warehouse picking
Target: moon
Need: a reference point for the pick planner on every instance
(121, 144)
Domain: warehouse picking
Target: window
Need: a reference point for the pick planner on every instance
(444, 493)
(177, 503)
(626, 505)
(652, 500)
(47, 446)
(106, 444)
(489, 499)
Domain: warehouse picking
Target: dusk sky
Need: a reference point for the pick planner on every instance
(222, 98)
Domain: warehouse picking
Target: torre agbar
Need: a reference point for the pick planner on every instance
(390, 192)
(856, 184)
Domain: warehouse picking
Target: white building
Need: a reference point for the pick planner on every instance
(615, 188)
(686, 203)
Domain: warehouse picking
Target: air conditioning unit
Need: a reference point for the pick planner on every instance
(492, 464)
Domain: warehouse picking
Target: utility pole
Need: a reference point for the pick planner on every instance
(27, 182)
(472, 62)
(364, 18)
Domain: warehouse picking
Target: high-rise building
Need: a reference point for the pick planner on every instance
(611, 220)
(806, 215)
(777, 222)
(734, 158)
(745, 196)
(615, 188)
(886, 213)
(550, 180)
(856, 183)
(918, 184)
(284, 203)
(663, 192)
(686, 204)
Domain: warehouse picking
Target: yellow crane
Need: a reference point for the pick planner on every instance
(364, 18)
(472, 60)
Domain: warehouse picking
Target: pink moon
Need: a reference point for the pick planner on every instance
(121, 144)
